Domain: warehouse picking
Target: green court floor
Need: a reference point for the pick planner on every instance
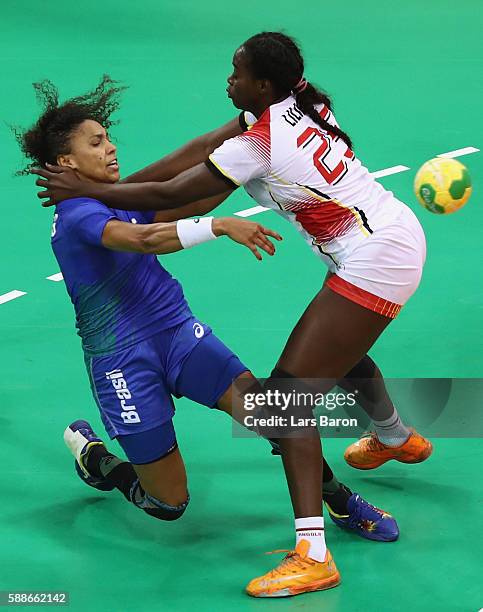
(406, 81)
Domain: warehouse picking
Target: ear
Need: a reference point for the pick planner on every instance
(265, 86)
(67, 161)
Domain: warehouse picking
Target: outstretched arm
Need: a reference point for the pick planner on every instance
(187, 156)
(162, 238)
(191, 185)
(195, 209)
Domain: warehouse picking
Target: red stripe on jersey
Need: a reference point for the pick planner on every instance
(363, 298)
(263, 123)
(258, 139)
(325, 220)
(324, 112)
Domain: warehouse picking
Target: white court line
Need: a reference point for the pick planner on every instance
(458, 152)
(389, 171)
(11, 295)
(56, 277)
(248, 212)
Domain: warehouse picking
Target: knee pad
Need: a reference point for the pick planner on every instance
(366, 368)
(163, 511)
(155, 507)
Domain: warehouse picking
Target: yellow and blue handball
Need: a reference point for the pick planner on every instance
(442, 185)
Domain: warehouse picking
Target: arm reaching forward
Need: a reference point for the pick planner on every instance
(191, 185)
(192, 153)
(162, 238)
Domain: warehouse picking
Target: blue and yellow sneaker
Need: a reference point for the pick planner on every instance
(366, 520)
(80, 438)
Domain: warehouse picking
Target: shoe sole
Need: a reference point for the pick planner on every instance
(320, 585)
(371, 466)
(366, 466)
(424, 455)
(393, 538)
(77, 443)
(373, 538)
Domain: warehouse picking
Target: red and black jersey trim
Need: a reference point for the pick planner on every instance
(214, 170)
(319, 193)
(364, 219)
(362, 214)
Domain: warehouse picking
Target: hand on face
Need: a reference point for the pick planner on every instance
(60, 184)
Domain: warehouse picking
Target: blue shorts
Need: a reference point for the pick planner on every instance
(133, 388)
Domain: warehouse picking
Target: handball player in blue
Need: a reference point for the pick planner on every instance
(141, 342)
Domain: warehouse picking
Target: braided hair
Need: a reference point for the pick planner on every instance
(276, 57)
(50, 136)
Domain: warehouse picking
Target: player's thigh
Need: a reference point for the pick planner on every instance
(333, 334)
(136, 406)
(208, 373)
(165, 479)
(157, 461)
(131, 390)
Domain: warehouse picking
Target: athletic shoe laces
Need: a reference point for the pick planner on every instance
(372, 513)
(292, 559)
(373, 442)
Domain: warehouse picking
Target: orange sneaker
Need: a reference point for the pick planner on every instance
(369, 453)
(296, 574)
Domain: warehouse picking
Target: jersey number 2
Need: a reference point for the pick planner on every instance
(330, 176)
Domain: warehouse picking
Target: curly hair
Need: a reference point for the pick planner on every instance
(50, 136)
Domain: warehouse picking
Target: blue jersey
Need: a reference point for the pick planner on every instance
(120, 298)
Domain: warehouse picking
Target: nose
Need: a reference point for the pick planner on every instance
(230, 80)
(111, 148)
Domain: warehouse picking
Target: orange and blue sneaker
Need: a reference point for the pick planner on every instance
(369, 452)
(296, 574)
(79, 438)
(366, 520)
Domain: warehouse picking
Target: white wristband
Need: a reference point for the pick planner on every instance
(194, 231)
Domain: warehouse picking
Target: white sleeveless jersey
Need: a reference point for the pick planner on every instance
(288, 163)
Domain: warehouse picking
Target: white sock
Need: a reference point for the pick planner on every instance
(391, 431)
(311, 529)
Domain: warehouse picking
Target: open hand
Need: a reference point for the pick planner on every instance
(250, 234)
(60, 184)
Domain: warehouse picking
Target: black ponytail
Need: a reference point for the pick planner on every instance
(306, 101)
(277, 57)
